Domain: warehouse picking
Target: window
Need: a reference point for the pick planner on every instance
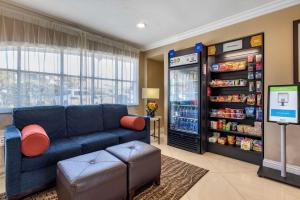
(32, 76)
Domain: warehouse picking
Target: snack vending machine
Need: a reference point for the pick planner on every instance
(187, 85)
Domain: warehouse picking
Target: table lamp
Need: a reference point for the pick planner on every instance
(150, 94)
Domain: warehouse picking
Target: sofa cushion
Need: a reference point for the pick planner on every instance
(33, 180)
(95, 141)
(59, 150)
(112, 114)
(51, 118)
(34, 140)
(84, 119)
(132, 122)
(127, 135)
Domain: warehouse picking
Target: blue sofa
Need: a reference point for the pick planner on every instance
(73, 130)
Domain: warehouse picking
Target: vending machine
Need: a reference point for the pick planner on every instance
(187, 98)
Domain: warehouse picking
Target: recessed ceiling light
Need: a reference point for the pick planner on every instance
(141, 25)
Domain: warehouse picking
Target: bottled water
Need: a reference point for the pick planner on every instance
(181, 111)
(179, 123)
(187, 110)
(188, 124)
(183, 124)
(176, 111)
(196, 126)
(194, 112)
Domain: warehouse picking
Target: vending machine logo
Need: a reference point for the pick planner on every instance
(184, 60)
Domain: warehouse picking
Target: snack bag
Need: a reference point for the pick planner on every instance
(259, 114)
(250, 75)
(234, 126)
(223, 67)
(246, 144)
(251, 99)
(235, 98)
(258, 86)
(212, 139)
(258, 75)
(258, 99)
(251, 67)
(215, 67)
(243, 82)
(231, 139)
(257, 124)
(257, 145)
(251, 86)
(222, 140)
(238, 141)
(228, 126)
(216, 134)
(240, 128)
(258, 66)
(251, 58)
(258, 58)
(250, 111)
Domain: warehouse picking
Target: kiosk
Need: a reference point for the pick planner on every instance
(283, 109)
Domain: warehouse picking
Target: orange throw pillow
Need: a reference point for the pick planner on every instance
(34, 140)
(134, 123)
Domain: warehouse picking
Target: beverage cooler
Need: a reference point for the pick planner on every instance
(186, 104)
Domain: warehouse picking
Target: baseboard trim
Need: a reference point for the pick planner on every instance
(293, 169)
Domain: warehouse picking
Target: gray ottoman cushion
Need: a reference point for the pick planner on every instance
(92, 176)
(143, 162)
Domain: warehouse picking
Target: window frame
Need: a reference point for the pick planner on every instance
(134, 95)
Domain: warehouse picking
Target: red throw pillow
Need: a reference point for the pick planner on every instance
(34, 140)
(131, 122)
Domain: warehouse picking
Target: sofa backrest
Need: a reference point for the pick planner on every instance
(83, 119)
(51, 118)
(112, 113)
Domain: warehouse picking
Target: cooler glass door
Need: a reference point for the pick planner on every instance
(184, 109)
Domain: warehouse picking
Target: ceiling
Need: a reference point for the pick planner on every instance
(165, 19)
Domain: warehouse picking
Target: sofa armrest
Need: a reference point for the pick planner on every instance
(13, 156)
(147, 126)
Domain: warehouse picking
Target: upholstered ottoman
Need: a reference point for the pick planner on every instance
(93, 176)
(143, 164)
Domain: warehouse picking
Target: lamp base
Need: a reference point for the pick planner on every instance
(150, 113)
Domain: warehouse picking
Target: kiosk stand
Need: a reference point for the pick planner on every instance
(283, 149)
(283, 109)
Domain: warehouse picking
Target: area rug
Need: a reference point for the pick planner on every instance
(176, 179)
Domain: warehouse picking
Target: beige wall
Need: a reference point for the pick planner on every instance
(277, 27)
(155, 79)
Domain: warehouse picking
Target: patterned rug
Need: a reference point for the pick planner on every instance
(176, 179)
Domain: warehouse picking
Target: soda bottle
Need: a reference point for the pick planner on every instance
(188, 125)
(179, 123)
(196, 126)
(183, 124)
(188, 112)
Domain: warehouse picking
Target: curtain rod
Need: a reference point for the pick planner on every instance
(62, 22)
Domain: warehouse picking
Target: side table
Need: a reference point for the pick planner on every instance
(154, 120)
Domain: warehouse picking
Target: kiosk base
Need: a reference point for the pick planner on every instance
(290, 179)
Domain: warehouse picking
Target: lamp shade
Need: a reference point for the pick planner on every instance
(150, 93)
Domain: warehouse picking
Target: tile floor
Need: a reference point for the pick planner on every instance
(227, 179)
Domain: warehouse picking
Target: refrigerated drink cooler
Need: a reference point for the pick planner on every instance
(186, 105)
